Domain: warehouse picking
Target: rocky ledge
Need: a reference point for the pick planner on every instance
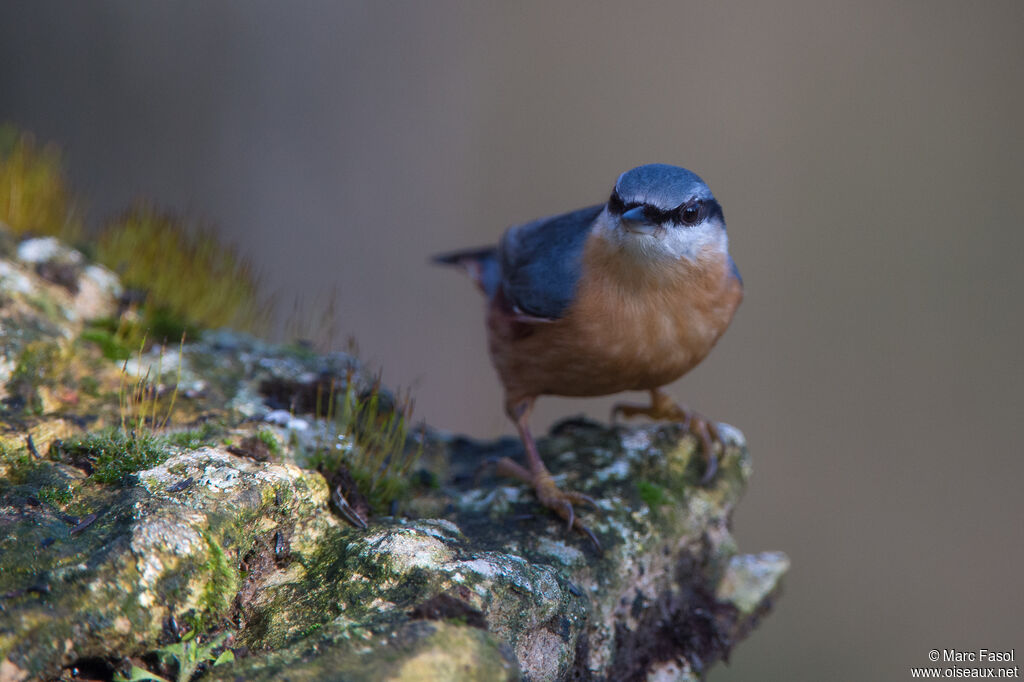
(221, 558)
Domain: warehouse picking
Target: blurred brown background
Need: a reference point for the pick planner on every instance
(870, 159)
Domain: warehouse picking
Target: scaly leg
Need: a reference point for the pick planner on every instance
(537, 475)
(663, 408)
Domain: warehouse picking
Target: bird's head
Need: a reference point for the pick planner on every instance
(661, 212)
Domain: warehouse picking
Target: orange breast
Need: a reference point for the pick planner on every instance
(632, 326)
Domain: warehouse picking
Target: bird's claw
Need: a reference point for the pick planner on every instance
(707, 433)
(569, 515)
(561, 502)
(593, 538)
(550, 495)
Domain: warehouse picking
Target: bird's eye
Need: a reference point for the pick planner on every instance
(692, 213)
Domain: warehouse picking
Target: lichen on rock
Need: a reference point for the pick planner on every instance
(462, 577)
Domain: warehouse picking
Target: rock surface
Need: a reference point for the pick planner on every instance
(467, 577)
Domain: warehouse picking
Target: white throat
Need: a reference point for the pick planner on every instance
(707, 239)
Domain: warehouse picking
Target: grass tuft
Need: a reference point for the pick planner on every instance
(112, 453)
(135, 445)
(34, 198)
(189, 277)
(372, 443)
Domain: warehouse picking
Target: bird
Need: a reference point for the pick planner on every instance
(628, 295)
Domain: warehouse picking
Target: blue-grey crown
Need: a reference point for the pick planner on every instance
(661, 186)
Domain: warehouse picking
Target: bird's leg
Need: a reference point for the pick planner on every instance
(663, 408)
(537, 475)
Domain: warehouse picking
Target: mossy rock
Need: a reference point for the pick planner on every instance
(227, 529)
(252, 548)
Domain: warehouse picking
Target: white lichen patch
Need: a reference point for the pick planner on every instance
(566, 458)
(730, 435)
(442, 529)
(699, 510)
(612, 523)
(618, 470)
(637, 440)
(6, 368)
(159, 544)
(494, 500)
(277, 474)
(603, 456)
(567, 555)
(481, 567)
(546, 591)
(537, 580)
(217, 471)
(45, 249)
(672, 671)
(277, 365)
(285, 419)
(13, 280)
(247, 402)
(157, 363)
(104, 279)
(177, 536)
(409, 549)
(219, 478)
(751, 578)
(610, 503)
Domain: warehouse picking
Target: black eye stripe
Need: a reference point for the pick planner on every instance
(615, 204)
(706, 208)
(656, 215)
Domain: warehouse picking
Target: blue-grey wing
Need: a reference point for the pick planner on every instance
(541, 262)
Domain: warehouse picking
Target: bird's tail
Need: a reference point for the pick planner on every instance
(480, 264)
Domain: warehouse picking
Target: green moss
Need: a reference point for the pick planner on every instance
(112, 347)
(194, 439)
(190, 278)
(113, 454)
(222, 583)
(166, 324)
(270, 440)
(17, 462)
(652, 494)
(55, 495)
(187, 656)
(310, 630)
(33, 194)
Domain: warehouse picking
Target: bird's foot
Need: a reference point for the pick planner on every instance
(551, 496)
(663, 408)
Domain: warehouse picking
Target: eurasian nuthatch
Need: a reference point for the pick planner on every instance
(624, 296)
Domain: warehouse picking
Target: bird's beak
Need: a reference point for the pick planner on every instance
(635, 221)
